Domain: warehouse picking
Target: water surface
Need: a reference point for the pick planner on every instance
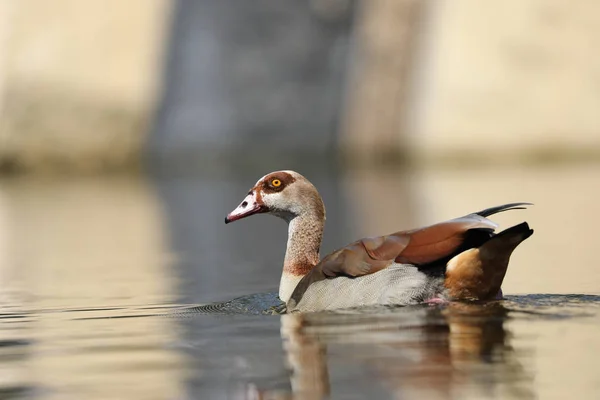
(94, 274)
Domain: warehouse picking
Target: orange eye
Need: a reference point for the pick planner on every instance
(276, 182)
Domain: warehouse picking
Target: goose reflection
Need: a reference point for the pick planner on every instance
(457, 351)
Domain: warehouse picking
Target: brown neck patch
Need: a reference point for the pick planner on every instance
(299, 268)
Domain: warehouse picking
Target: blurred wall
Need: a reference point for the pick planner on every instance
(374, 115)
(257, 82)
(507, 79)
(78, 81)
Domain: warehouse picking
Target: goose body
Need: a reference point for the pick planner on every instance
(398, 284)
(459, 259)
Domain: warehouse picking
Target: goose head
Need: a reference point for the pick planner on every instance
(284, 194)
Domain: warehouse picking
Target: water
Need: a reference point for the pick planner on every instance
(94, 274)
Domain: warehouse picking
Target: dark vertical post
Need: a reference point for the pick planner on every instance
(244, 77)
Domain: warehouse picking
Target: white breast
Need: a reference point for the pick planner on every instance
(287, 285)
(399, 284)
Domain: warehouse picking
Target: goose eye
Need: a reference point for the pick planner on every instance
(275, 183)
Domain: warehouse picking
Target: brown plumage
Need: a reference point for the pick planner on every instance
(477, 258)
(477, 273)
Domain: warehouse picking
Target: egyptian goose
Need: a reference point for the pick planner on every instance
(460, 259)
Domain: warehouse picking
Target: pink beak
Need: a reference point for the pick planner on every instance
(249, 206)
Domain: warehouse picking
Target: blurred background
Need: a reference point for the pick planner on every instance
(128, 130)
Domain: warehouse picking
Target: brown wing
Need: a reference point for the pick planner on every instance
(419, 246)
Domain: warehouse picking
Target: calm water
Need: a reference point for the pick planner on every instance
(92, 273)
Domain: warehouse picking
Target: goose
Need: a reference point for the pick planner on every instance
(458, 259)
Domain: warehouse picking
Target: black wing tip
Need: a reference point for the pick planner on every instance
(505, 207)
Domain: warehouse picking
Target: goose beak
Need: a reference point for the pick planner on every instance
(249, 206)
